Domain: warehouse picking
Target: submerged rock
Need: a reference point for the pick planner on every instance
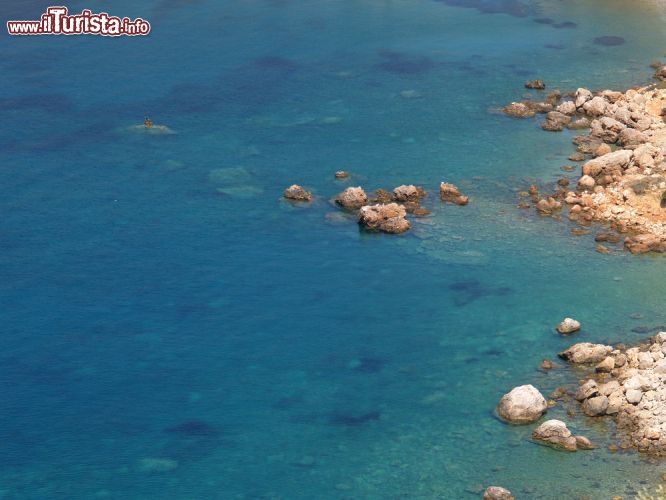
(523, 405)
(388, 218)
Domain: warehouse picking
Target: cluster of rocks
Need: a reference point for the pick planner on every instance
(525, 405)
(628, 384)
(624, 174)
(386, 211)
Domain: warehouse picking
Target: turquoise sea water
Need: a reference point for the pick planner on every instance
(172, 329)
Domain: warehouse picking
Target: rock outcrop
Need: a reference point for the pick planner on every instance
(389, 218)
(352, 198)
(297, 193)
(407, 193)
(522, 405)
(451, 194)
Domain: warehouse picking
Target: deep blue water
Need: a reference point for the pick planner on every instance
(172, 329)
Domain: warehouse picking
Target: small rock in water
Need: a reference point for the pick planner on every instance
(297, 193)
(568, 325)
(497, 493)
(341, 174)
(535, 84)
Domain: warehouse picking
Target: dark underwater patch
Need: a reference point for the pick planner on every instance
(369, 365)
(565, 25)
(351, 420)
(609, 40)
(467, 292)
(513, 8)
(193, 428)
(407, 64)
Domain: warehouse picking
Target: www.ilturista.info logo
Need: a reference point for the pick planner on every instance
(56, 22)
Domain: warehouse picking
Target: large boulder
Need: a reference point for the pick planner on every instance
(389, 218)
(352, 198)
(585, 352)
(581, 97)
(630, 138)
(609, 164)
(523, 405)
(596, 106)
(607, 129)
(556, 434)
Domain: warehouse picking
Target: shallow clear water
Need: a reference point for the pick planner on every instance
(173, 329)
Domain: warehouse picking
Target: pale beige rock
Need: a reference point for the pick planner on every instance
(585, 352)
(497, 493)
(556, 434)
(634, 396)
(389, 218)
(595, 406)
(522, 405)
(352, 198)
(568, 325)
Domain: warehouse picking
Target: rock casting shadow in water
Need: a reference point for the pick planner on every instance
(349, 420)
(400, 63)
(469, 291)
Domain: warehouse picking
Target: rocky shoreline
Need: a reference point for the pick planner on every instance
(625, 384)
(622, 181)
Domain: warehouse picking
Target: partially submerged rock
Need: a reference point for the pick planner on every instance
(585, 352)
(555, 433)
(407, 193)
(297, 193)
(568, 325)
(451, 194)
(497, 493)
(352, 198)
(522, 405)
(389, 218)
